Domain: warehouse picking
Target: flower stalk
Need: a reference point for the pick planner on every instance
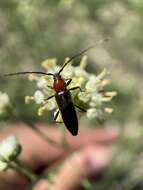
(24, 170)
(48, 139)
(38, 131)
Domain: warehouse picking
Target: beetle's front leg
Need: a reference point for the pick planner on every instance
(49, 97)
(68, 81)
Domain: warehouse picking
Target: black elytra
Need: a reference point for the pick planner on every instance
(67, 110)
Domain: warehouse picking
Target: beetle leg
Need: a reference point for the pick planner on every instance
(82, 109)
(55, 117)
(49, 97)
(69, 81)
(76, 87)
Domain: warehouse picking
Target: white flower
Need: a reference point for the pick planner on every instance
(49, 64)
(96, 100)
(3, 166)
(102, 74)
(50, 104)
(28, 99)
(68, 72)
(92, 113)
(92, 97)
(84, 96)
(95, 82)
(91, 84)
(38, 97)
(4, 102)
(42, 82)
(78, 71)
(9, 151)
(8, 147)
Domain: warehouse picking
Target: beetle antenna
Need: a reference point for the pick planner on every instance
(82, 52)
(25, 72)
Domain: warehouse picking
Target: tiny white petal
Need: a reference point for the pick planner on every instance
(49, 63)
(102, 74)
(68, 72)
(92, 113)
(77, 81)
(84, 96)
(32, 77)
(38, 97)
(108, 110)
(83, 62)
(51, 105)
(78, 71)
(91, 84)
(42, 82)
(111, 93)
(54, 70)
(96, 100)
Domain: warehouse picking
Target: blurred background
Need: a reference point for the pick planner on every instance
(33, 30)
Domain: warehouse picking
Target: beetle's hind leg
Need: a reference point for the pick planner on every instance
(56, 116)
(82, 109)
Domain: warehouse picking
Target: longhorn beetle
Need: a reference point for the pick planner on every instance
(62, 94)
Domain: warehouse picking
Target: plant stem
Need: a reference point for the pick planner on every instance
(24, 170)
(62, 145)
(39, 132)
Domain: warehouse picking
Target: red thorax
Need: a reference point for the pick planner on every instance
(59, 84)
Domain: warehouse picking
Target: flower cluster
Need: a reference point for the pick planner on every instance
(9, 151)
(92, 97)
(4, 102)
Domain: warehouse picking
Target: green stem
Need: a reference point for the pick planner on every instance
(39, 132)
(24, 170)
(62, 145)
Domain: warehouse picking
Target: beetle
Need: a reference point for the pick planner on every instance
(62, 94)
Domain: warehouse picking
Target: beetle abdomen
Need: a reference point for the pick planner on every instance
(70, 118)
(67, 110)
